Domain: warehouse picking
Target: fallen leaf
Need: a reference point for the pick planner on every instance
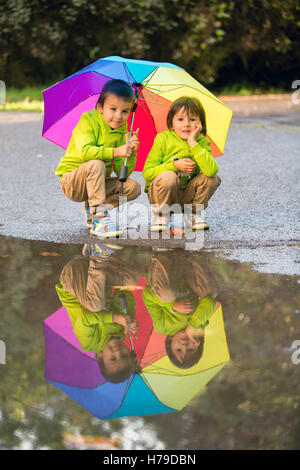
(49, 253)
(176, 232)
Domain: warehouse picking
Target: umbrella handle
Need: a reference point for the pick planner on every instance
(123, 302)
(123, 173)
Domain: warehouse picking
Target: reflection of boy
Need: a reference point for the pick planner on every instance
(181, 308)
(95, 312)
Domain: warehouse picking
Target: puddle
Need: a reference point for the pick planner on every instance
(215, 362)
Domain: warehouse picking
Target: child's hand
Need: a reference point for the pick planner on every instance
(134, 141)
(124, 151)
(183, 306)
(193, 334)
(134, 326)
(185, 165)
(193, 135)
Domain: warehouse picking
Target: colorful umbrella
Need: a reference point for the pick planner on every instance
(76, 372)
(160, 388)
(172, 387)
(66, 362)
(158, 85)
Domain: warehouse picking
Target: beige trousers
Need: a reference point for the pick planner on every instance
(88, 281)
(165, 190)
(167, 271)
(89, 183)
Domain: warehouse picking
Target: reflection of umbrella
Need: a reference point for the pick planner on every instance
(76, 372)
(175, 387)
(161, 387)
(158, 85)
(67, 363)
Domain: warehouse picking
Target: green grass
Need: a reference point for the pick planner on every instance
(25, 99)
(245, 89)
(32, 93)
(31, 98)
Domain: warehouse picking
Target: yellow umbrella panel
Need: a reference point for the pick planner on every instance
(168, 84)
(215, 351)
(175, 391)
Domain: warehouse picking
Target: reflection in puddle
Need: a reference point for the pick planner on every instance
(252, 403)
(128, 343)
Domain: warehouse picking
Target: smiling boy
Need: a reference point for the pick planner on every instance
(180, 168)
(98, 146)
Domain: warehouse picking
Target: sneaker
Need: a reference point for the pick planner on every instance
(87, 214)
(104, 227)
(159, 223)
(197, 222)
(97, 252)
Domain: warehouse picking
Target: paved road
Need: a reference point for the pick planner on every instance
(253, 213)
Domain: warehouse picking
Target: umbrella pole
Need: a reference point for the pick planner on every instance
(124, 168)
(123, 305)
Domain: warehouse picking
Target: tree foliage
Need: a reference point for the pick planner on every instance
(218, 42)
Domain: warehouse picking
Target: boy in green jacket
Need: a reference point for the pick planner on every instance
(180, 167)
(86, 291)
(181, 304)
(98, 146)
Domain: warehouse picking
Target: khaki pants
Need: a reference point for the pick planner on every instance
(167, 271)
(88, 281)
(165, 190)
(88, 182)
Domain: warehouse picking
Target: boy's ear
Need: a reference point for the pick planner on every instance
(99, 356)
(99, 108)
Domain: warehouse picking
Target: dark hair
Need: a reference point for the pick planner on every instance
(192, 106)
(189, 362)
(118, 88)
(121, 375)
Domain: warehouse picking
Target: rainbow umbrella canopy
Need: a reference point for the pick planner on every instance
(158, 84)
(160, 387)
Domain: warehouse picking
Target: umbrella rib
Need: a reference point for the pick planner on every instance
(194, 88)
(155, 101)
(127, 74)
(162, 369)
(129, 382)
(172, 89)
(141, 100)
(150, 76)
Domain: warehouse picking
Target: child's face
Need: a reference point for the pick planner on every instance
(115, 355)
(115, 110)
(184, 124)
(184, 347)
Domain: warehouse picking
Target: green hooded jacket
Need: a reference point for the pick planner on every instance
(167, 322)
(168, 145)
(93, 329)
(93, 139)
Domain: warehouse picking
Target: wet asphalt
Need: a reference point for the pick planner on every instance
(253, 215)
